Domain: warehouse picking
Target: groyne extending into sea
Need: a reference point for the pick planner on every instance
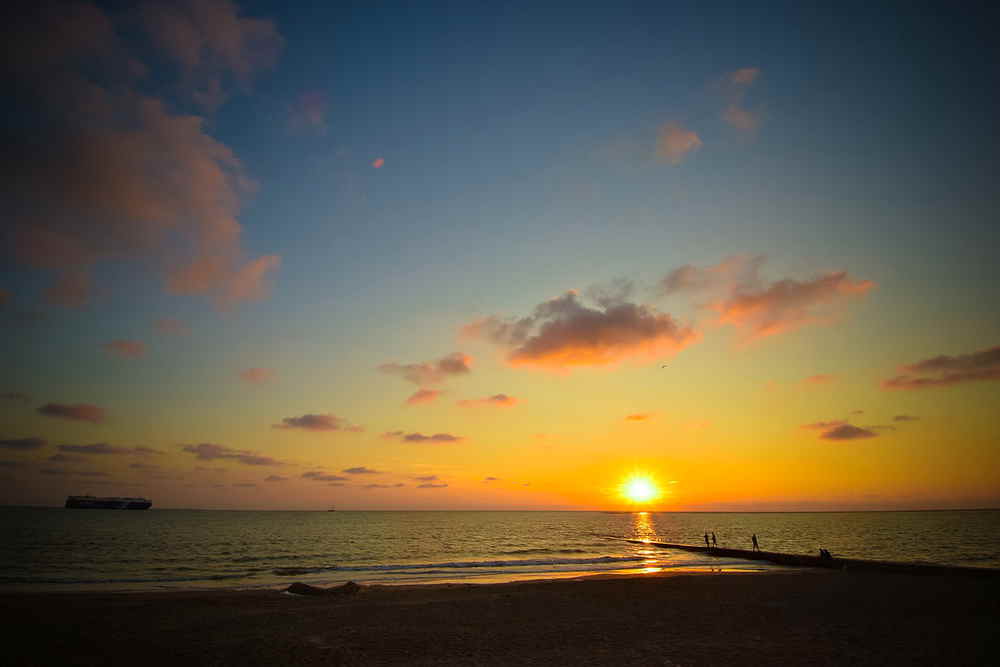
(833, 562)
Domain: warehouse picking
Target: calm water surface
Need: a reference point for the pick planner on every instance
(57, 549)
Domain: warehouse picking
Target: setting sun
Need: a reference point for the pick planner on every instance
(639, 490)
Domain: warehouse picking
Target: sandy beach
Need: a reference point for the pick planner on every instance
(794, 617)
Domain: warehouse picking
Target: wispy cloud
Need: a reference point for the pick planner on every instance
(847, 432)
(257, 375)
(77, 412)
(421, 396)
(426, 478)
(948, 371)
(127, 349)
(674, 142)
(320, 476)
(430, 485)
(757, 308)
(563, 333)
(430, 373)
(496, 400)
(211, 452)
(384, 486)
(308, 113)
(325, 422)
(819, 379)
(905, 418)
(639, 417)
(360, 470)
(420, 437)
(275, 478)
(733, 88)
(105, 448)
(22, 444)
(171, 327)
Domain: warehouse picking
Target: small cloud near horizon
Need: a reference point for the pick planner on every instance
(819, 379)
(320, 476)
(210, 452)
(323, 422)
(423, 396)
(496, 400)
(22, 444)
(905, 418)
(360, 470)
(420, 437)
(257, 375)
(85, 412)
(639, 417)
(948, 371)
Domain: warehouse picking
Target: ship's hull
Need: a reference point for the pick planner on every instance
(92, 503)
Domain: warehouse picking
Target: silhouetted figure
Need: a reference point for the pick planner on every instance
(715, 545)
(825, 555)
(706, 540)
(756, 547)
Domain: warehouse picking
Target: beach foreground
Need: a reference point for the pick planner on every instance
(696, 619)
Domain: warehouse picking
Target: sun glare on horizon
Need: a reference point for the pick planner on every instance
(640, 489)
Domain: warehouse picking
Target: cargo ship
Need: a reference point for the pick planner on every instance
(94, 503)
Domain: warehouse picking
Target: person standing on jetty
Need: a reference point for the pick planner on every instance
(715, 545)
(706, 540)
(756, 547)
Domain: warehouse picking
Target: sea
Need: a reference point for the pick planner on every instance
(49, 549)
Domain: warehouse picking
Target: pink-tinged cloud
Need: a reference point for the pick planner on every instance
(496, 400)
(675, 142)
(639, 417)
(744, 76)
(824, 426)
(430, 373)
(787, 304)
(562, 333)
(819, 379)
(320, 476)
(948, 371)
(421, 396)
(757, 308)
(308, 113)
(741, 119)
(257, 375)
(847, 432)
(421, 438)
(122, 175)
(126, 349)
(326, 422)
(213, 47)
(210, 452)
(84, 412)
(378, 162)
(170, 326)
(248, 283)
(22, 444)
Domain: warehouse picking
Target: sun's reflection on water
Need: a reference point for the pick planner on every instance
(642, 527)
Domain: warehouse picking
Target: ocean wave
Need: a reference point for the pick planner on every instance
(457, 565)
(524, 552)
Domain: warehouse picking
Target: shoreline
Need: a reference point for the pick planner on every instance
(787, 616)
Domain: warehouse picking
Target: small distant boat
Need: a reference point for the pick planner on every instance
(94, 503)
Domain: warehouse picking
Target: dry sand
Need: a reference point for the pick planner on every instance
(819, 618)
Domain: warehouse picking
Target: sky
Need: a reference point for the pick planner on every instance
(386, 255)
